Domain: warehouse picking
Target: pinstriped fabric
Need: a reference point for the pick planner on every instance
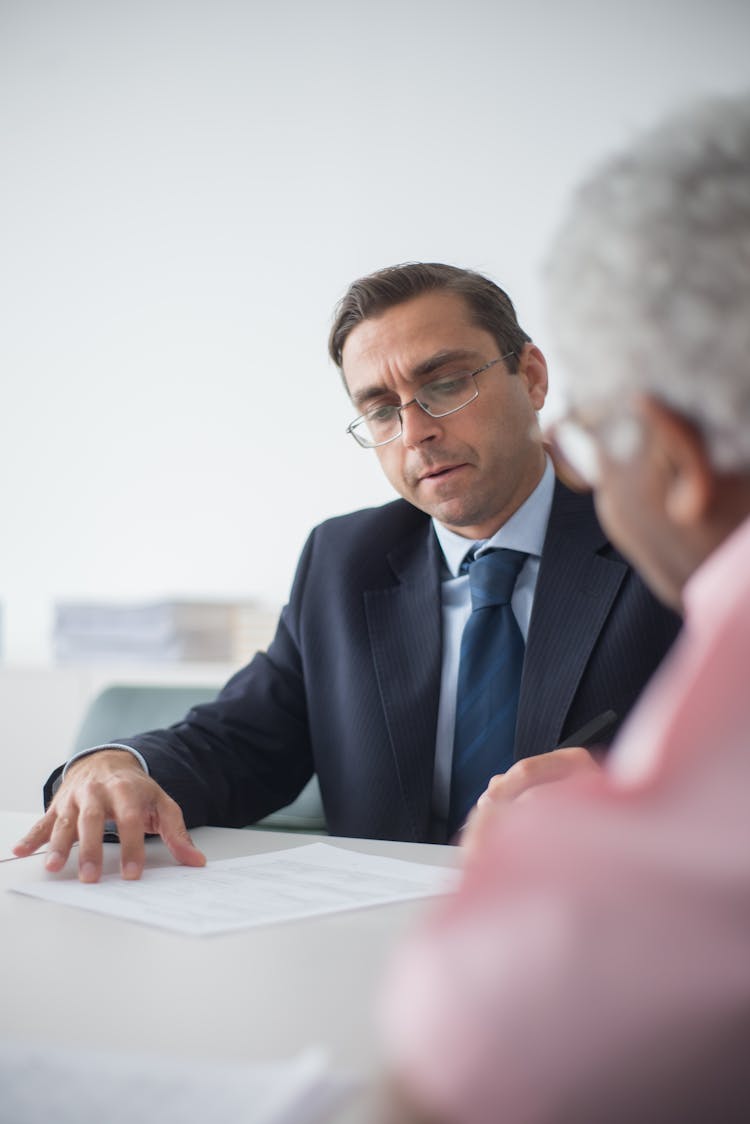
(583, 596)
(489, 681)
(403, 626)
(350, 685)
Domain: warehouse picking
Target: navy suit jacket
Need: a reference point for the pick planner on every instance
(349, 686)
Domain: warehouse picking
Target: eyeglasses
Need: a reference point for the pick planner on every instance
(579, 442)
(443, 396)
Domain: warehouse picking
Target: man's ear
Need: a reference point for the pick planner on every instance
(679, 450)
(532, 368)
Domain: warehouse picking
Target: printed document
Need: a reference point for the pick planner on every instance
(234, 894)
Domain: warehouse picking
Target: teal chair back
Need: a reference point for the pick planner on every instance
(122, 709)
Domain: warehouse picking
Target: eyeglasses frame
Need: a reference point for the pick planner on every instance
(362, 418)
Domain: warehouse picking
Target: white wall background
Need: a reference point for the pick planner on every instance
(187, 187)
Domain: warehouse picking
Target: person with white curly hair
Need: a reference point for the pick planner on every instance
(595, 963)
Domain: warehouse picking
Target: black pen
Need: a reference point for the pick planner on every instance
(592, 732)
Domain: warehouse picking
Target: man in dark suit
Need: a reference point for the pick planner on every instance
(360, 682)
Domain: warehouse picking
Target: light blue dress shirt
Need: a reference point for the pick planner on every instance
(525, 530)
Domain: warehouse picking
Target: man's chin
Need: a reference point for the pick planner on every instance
(454, 516)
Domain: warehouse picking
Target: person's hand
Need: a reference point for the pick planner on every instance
(108, 785)
(520, 779)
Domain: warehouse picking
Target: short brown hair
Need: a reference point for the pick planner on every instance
(490, 306)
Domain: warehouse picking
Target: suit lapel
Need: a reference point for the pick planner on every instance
(404, 624)
(575, 590)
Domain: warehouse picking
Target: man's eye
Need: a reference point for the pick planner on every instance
(445, 387)
(381, 413)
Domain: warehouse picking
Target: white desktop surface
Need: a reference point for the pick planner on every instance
(75, 977)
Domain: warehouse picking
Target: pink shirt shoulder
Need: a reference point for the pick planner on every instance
(595, 963)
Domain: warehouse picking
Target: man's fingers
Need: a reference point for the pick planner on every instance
(520, 780)
(90, 831)
(131, 827)
(176, 836)
(63, 836)
(482, 818)
(496, 790)
(545, 769)
(35, 837)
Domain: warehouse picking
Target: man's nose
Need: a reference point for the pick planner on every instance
(417, 425)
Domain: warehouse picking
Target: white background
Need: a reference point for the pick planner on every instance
(188, 186)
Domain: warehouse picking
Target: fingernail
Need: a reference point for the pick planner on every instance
(54, 859)
(87, 872)
(131, 870)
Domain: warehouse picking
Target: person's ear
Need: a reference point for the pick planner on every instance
(680, 453)
(532, 368)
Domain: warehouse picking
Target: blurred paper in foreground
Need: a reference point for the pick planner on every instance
(39, 1083)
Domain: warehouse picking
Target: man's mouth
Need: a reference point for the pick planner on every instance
(435, 472)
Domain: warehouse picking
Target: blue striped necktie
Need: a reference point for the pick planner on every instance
(489, 680)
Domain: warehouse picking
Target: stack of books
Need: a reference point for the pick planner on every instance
(161, 631)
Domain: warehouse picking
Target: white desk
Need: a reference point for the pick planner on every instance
(72, 976)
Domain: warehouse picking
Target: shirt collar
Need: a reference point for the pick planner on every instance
(525, 530)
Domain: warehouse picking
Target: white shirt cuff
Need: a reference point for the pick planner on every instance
(109, 745)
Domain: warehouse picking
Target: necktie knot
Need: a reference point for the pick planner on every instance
(492, 577)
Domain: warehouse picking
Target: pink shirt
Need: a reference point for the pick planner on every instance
(595, 964)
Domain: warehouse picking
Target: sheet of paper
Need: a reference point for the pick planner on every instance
(254, 890)
(67, 1085)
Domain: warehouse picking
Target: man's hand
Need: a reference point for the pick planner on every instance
(520, 779)
(108, 785)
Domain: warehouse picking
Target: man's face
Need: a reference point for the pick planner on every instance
(650, 502)
(650, 476)
(472, 469)
(624, 504)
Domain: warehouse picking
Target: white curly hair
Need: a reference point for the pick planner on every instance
(648, 279)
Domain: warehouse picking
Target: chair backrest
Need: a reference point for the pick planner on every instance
(124, 709)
